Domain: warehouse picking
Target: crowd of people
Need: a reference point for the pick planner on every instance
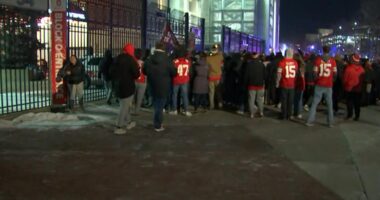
(246, 81)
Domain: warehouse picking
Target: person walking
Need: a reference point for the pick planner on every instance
(126, 72)
(215, 60)
(254, 77)
(286, 81)
(104, 73)
(353, 79)
(159, 70)
(324, 71)
(75, 72)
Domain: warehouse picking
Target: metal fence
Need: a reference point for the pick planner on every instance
(236, 41)
(24, 61)
(93, 27)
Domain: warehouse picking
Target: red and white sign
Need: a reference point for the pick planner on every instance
(58, 50)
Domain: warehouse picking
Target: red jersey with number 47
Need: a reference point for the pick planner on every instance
(325, 71)
(183, 68)
(287, 68)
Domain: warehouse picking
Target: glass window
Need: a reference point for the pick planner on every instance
(248, 28)
(217, 16)
(248, 16)
(217, 4)
(217, 38)
(249, 4)
(233, 4)
(232, 16)
(234, 26)
(217, 25)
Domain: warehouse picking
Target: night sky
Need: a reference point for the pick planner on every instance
(299, 17)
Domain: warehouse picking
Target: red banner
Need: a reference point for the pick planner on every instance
(58, 51)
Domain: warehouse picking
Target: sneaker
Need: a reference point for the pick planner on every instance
(291, 118)
(159, 129)
(299, 116)
(309, 124)
(187, 114)
(173, 113)
(131, 125)
(252, 116)
(120, 131)
(279, 106)
(306, 108)
(220, 105)
(239, 112)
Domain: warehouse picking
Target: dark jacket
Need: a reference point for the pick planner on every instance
(105, 65)
(254, 73)
(160, 70)
(200, 85)
(124, 75)
(75, 73)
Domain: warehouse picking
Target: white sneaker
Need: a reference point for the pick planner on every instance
(187, 114)
(120, 131)
(306, 108)
(173, 113)
(251, 116)
(239, 112)
(159, 129)
(299, 116)
(279, 106)
(131, 125)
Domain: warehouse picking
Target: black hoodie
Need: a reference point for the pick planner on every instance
(254, 73)
(159, 70)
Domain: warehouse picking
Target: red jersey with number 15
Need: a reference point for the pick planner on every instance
(325, 71)
(287, 68)
(183, 71)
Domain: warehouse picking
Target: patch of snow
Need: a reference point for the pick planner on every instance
(63, 121)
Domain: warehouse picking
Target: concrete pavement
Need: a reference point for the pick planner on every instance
(217, 155)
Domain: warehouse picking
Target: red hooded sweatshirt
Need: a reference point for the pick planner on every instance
(353, 78)
(130, 50)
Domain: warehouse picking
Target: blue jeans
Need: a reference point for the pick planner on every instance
(319, 93)
(298, 99)
(158, 105)
(184, 94)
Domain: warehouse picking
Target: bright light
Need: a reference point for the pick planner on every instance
(355, 23)
(340, 27)
(312, 47)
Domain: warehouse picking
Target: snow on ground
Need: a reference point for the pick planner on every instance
(63, 121)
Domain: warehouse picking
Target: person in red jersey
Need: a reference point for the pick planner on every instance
(325, 72)
(181, 81)
(286, 81)
(353, 79)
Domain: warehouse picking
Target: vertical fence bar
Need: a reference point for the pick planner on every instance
(187, 29)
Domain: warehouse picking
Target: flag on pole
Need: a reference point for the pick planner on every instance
(168, 38)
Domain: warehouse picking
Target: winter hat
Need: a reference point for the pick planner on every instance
(129, 49)
(355, 58)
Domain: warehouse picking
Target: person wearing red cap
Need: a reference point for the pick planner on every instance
(124, 76)
(324, 72)
(353, 79)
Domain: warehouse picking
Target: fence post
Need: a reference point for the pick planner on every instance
(144, 21)
(111, 27)
(224, 38)
(203, 33)
(187, 29)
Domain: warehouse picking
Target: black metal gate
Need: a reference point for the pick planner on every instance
(236, 41)
(93, 27)
(24, 60)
